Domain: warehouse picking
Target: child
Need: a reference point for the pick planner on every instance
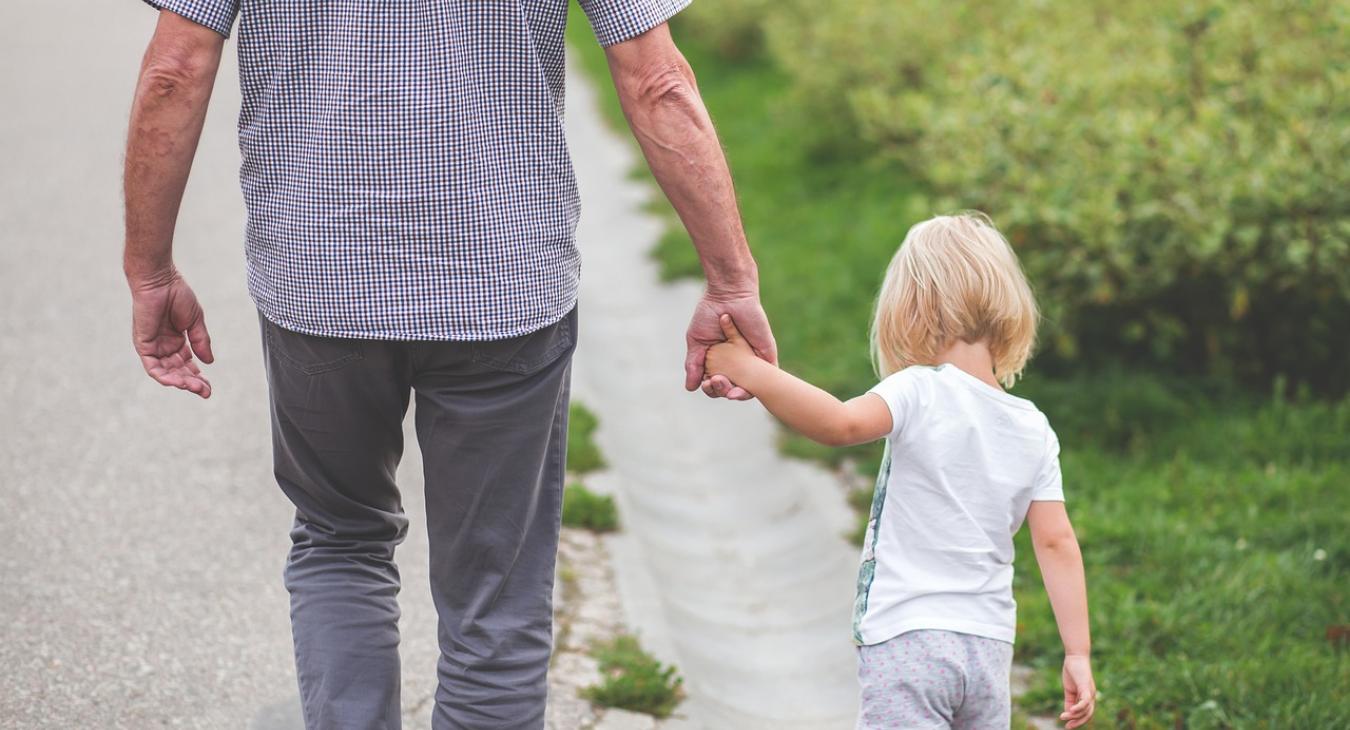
(965, 464)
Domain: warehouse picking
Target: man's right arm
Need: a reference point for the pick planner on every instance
(167, 114)
(660, 99)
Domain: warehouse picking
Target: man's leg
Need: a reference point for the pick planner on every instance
(492, 423)
(337, 414)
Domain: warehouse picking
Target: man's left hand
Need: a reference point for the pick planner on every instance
(706, 331)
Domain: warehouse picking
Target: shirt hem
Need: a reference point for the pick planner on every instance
(446, 336)
(886, 632)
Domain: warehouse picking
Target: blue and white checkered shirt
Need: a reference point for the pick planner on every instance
(404, 164)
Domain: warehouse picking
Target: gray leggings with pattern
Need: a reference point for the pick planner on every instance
(935, 679)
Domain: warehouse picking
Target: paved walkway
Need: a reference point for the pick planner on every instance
(141, 536)
(733, 563)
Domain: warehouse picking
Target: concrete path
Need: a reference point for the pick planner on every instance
(733, 563)
(141, 535)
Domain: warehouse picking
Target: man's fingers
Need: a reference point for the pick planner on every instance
(201, 340)
(200, 386)
(738, 393)
(693, 365)
(716, 386)
(768, 350)
(174, 372)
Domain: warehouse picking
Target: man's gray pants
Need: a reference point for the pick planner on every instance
(492, 425)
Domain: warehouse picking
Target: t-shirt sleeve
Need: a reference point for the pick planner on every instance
(900, 391)
(218, 15)
(1049, 482)
(615, 21)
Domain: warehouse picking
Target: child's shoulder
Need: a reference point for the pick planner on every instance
(914, 374)
(908, 379)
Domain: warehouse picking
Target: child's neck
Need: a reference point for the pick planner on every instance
(974, 358)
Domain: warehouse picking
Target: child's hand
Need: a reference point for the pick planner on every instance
(1080, 692)
(731, 358)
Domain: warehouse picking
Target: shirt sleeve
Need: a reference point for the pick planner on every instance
(218, 15)
(615, 21)
(900, 391)
(1049, 482)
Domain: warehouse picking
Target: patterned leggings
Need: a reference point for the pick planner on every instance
(935, 679)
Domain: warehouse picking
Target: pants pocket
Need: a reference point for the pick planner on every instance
(310, 354)
(530, 352)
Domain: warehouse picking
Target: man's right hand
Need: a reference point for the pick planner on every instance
(705, 330)
(167, 329)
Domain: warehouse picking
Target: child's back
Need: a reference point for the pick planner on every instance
(966, 464)
(963, 464)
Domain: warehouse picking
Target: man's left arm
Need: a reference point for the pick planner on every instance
(661, 101)
(167, 115)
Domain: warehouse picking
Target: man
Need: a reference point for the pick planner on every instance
(411, 215)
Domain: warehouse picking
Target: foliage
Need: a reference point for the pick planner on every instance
(1217, 561)
(735, 30)
(1175, 176)
(583, 456)
(1202, 507)
(588, 510)
(633, 679)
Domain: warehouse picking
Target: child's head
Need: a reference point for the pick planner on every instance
(954, 278)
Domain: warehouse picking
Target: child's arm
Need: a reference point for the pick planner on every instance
(1062, 569)
(803, 407)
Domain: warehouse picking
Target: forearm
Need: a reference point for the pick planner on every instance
(167, 115)
(809, 410)
(1061, 564)
(661, 101)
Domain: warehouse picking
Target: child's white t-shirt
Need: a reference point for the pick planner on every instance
(964, 461)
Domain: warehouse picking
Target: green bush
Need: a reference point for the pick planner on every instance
(1174, 175)
(634, 680)
(1211, 517)
(583, 456)
(734, 29)
(588, 510)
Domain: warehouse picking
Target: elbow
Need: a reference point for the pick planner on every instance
(663, 86)
(1058, 542)
(173, 70)
(833, 440)
(841, 434)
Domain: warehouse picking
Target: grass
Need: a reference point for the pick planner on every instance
(583, 456)
(633, 679)
(1213, 521)
(587, 510)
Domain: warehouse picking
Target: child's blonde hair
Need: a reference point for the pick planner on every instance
(954, 277)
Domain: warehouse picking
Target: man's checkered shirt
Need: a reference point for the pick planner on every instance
(404, 165)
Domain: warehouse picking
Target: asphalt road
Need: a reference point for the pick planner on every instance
(141, 535)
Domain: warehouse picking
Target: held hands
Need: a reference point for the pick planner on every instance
(733, 358)
(167, 329)
(1080, 692)
(705, 331)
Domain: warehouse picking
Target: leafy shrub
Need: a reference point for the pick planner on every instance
(583, 456)
(634, 680)
(1175, 176)
(735, 29)
(588, 510)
